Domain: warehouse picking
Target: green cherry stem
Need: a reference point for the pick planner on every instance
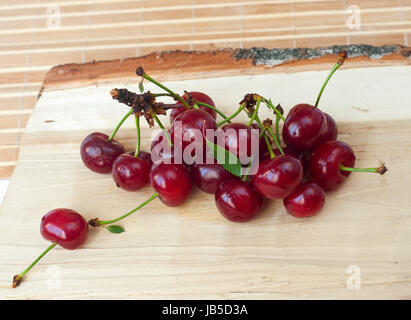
(97, 222)
(18, 278)
(165, 132)
(270, 105)
(138, 137)
(277, 134)
(255, 113)
(119, 125)
(267, 141)
(228, 119)
(140, 72)
(380, 170)
(212, 108)
(341, 57)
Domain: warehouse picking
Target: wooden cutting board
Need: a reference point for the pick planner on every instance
(362, 235)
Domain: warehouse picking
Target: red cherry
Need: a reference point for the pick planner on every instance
(208, 176)
(161, 152)
(277, 177)
(145, 155)
(288, 151)
(303, 127)
(331, 131)
(172, 182)
(197, 96)
(237, 200)
(325, 162)
(65, 227)
(98, 154)
(191, 125)
(131, 173)
(305, 201)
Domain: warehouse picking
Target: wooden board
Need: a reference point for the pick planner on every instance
(191, 252)
(35, 35)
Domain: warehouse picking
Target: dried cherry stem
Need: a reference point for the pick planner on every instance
(140, 72)
(96, 222)
(341, 57)
(380, 170)
(18, 278)
(212, 108)
(165, 132)
(255, 113)
(120, 124)
(228, 119)
(138, 137)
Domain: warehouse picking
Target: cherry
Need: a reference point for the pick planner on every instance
(191, 125)
(331, 131)
(64, 227)
(145, 156)
(131, 173)
(208, 176)
(303, 127)
(325, 162)
(98, 153)
(197, 96)
(172, 182)
(305, 201)
(288, 151)
(277, 177)
(159, 152)
(237, 200)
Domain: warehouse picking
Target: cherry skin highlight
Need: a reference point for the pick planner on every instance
(277, 177)
(306, 200)
(188, 128)
(172, 182)
(208, 176)
(237, 200)
(98, 154)
(303, 127)
(130, 173)
(197, 96)
(325, 163)
(65, 227)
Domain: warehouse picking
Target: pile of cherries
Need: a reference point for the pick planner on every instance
(311, 162)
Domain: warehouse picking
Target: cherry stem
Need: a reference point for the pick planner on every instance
(161, 95)
(18, 278)
(165, 132)
(119, 125)
(255, 113)
(270, 105)
(172, 93)
(277, 134)
(267, 141)
(240, 108)
(335, 68)
(212, 108)
(381, 170)
(102, 223)
(244, 178)
(138, 137)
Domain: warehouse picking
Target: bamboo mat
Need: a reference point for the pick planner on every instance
(36, 35)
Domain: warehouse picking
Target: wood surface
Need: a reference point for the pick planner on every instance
(36, 35)
(191, 252)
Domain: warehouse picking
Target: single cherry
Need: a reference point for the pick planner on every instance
(187, 130)
(208, 176)
(237, 200)
(303, 127)
(172, 182)
(196, 96)
(325, 162)
(306, 200)
(65, 227)
(98, 153)
(277, 177)
(131, 173)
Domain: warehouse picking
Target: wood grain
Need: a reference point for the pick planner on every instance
(35, 36)
(191, 252)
